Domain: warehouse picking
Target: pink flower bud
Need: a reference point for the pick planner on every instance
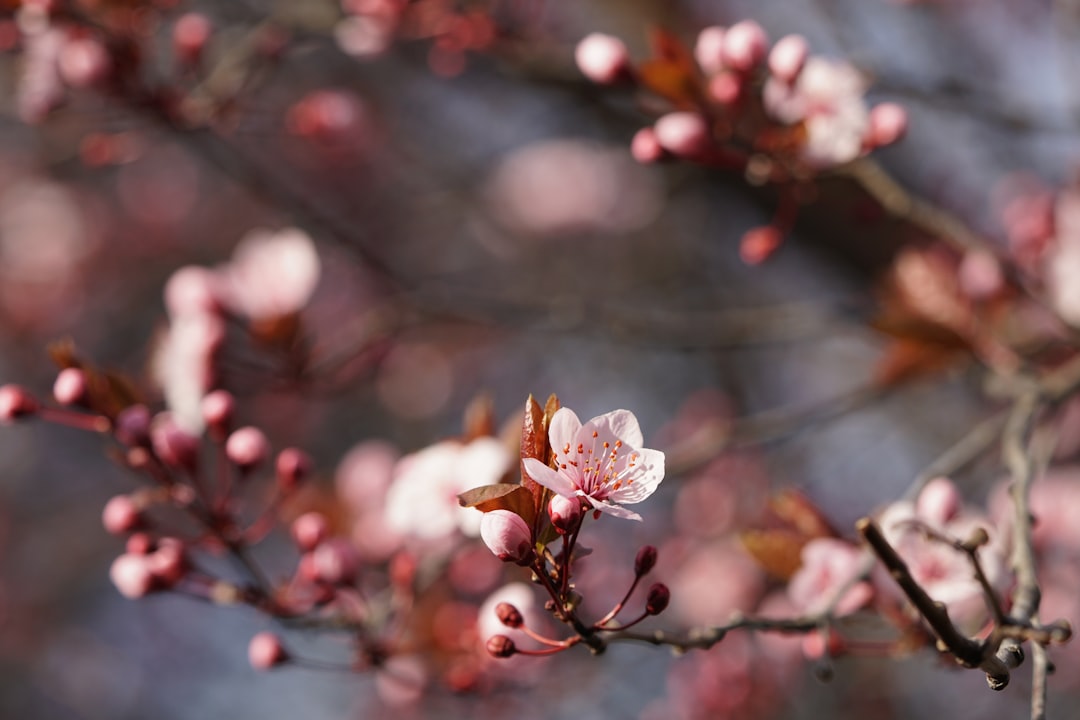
(309, 530)
(726, 88)
(645, 560)
(709, 49)
(888, 123)
(139, 544)
(217, 410)
(506, 535)
(83, 62)
(173, 446)
(685, 134)
(787, 58)
(939, 502)
(15, 403)
(509, 615)
(758, 244)
(500, 646)
(70, 386)
(247, 447)
(645, 148)
(335, 562)
(745, 45)
(131, 576)
(265, 651)
(133, 426)
(167, 562)
(565, 513)
(190, 35)
(293, 466)
(658, 598)
(603, 59)
(121, 515)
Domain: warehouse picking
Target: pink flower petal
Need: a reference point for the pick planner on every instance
(553, 481)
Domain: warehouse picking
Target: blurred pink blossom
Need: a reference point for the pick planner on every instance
(422, 500)
(828, 565)
(272, 274)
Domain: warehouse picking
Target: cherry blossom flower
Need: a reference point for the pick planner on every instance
(943, 571)
(271, 274)
(422, 501)
(602, 461)
(827, 566)
(828, 97)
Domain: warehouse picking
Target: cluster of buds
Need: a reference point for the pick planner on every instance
(185, 511)
(778, 114)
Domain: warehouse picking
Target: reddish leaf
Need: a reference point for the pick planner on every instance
(534, 444)
(501, 496)
(672, 73)
(480, 418)
(796, 511)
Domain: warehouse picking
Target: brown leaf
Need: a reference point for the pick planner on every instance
(672, 72)
(534, 444)
(480, 418)
(778, 552)
(501, 496)
(906, 359)
(797, 512)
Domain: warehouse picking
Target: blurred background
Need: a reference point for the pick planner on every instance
(487, 201)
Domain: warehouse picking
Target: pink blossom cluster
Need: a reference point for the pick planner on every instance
(779, 112)
(269, 280)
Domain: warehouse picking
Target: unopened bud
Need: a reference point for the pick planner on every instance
(133, 426)
(247, 447)
(658, 598)
(131, 576)
(644, 147)
(708, 50)
(565, 513)
(645, 560)
(293, 466)
(509, 615)
(501, 646)
(265, 651)
(507, 536)
(603, 59)
(745, 45)
(787, 58)
(121, 515)
(173, 445)
(309, 530)
(217, 410)
(15, 403)
(683, 133)
(335, 562)
(190, 35)
(70, 386)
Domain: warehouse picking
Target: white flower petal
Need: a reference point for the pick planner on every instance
(553, 481)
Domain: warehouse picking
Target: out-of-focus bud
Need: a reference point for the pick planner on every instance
(758, 244)
(247, 448)
(645, 148)
(745, 45)
(133, 426)
(685, 134)
(83, 62)
(217, 409)
(888, 123)
(980, 275)
(15, 403)
(709, 49)
(265, 651)
(565, 513)
(645, 560)
(725, 88)
(121, 515)
(507, 536)
(70, 386)
(787, 58)
(190, 35)
(167, 562)
(658, 598)
(335, 562)
(139, 543)
(309, 530)
(174, 446)
(500, 646)
(509, 615)
(603, 59)
(131, 576)
(293, 467)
